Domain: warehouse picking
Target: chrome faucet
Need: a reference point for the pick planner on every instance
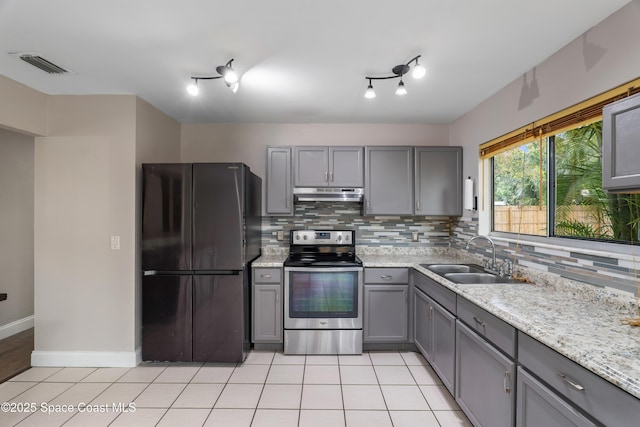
(493, 248)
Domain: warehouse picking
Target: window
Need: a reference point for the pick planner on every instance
(553, 187)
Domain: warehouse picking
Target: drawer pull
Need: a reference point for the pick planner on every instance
(430, 312)
(507, 389)
(265, 276)
(571, 383)
(385, 277)
(479, 321)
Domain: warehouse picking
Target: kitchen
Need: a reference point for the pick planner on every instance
(75, 135)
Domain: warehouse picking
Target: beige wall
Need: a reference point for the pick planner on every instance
(247, 143)
(22, 108)
(157, 141)
(85, 193)
(16, 231)
(602, 58)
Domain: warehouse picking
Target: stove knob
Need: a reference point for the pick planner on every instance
(339, 237)
(346, 237)
(304, 237)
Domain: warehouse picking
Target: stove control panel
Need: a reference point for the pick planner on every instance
(323, 237)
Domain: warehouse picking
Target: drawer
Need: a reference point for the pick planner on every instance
(386, 275)
(443, 296)
(267, 275)
(602, 400)
(498, 332)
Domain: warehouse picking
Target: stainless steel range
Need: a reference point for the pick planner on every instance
(322, 293)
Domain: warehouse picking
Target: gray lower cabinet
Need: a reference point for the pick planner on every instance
(435, 336)
(388, 181)
(484, 380)
(386, 305)
(279, 188)
(267, 305)
(539, 406)
(438, 181)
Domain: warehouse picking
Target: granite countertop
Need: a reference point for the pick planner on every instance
(580, 322)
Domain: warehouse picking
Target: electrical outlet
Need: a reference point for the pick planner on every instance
(280, 236)
(115, 243)
(414, 236)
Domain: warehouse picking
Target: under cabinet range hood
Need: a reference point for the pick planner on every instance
(327, 194)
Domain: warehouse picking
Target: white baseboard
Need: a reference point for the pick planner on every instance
(16, 327)
(86, 359)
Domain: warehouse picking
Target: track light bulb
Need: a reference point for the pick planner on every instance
(230, 76)
(192, 89)
(418, 71)
(370, 93)
(401, 90)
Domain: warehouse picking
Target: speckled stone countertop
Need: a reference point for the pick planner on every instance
(579, 321)
(271, 257)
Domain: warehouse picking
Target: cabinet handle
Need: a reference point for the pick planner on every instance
(286, 203)
(417, 205)
(277, 298)
(507, 389)
(326, 176)
(266, 276)
(331, 176)
(430, 312)
(385, 277)
(570, 382)
(405, 296)
(479, 321)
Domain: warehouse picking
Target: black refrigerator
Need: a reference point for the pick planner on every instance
(200, 230)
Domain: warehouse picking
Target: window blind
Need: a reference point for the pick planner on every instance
(584, 113)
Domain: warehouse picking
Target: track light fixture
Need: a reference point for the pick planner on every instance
(398, 71)
(225, 72)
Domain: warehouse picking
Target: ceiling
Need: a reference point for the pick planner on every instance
(300, 61)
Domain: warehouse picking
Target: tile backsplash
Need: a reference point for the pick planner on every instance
(601, 269)
(370, 230)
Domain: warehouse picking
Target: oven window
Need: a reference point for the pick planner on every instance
(323, 295)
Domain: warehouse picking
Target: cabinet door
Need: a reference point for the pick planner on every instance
(346, 166)
(443, 352)
(422, 323)
(279, 189)
(538, 406)
(388, 181)
(220, 317)
(385, 313)
(620, 148)
(267, 313)
(484, 381)
(310, 165)
(166, 318)
(438, 181)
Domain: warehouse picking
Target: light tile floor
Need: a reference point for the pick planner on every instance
(269, 389)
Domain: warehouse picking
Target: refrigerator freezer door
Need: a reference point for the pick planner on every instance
(220, 324)
(218, 216)
(166, 217)
(166, 318)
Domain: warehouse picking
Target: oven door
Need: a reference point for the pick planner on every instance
(323, 298)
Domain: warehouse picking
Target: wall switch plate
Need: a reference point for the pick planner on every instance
(115, 243)
(414, 236)
(280, 235)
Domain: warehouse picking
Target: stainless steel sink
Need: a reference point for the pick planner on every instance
(453, 268)
(476, 278)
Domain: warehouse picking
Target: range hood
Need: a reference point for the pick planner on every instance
(327, 194)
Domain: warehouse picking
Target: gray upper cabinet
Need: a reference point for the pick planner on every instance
(388, 180)
(279, 188)
(328, 166)
(621, 145)
(438, 181)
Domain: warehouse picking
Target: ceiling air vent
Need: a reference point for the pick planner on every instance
(45, 65)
